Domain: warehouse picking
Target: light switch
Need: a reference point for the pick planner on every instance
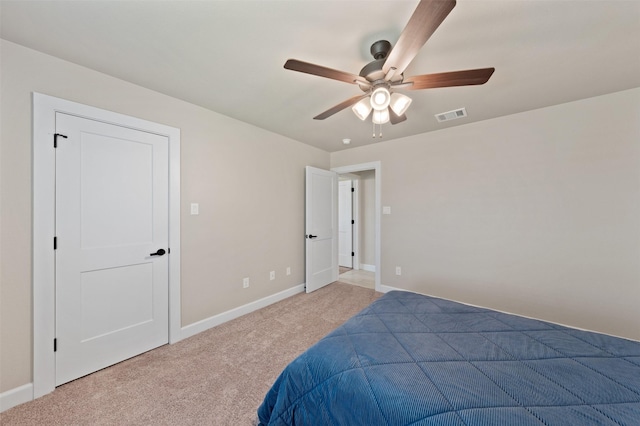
(386, 210)
(195, 208)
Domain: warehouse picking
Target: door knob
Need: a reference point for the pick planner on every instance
(312, 236)
(160, 252)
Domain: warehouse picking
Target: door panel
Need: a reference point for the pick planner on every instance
(111, 214)
(321, 228)
(98, 300)
(115, 173)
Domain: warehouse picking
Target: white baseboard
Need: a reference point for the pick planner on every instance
(207, 323)
(16, 396)
(368, 268)
(387, 289)
(24, 393)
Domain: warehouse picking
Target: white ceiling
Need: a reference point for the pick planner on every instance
(228, 56)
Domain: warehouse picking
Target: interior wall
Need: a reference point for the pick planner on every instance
(537, 213)
(248, 182)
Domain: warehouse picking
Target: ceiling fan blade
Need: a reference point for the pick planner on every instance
(449, 79)
(423, 23)
(339, 107)
(319, 70)
(395, 118)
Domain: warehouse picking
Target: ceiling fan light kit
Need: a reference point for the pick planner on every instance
(380, 98)
(362, 109)
(381, 78)
(400, 103)
(380, 116)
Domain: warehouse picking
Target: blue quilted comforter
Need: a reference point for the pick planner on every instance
(410, 359)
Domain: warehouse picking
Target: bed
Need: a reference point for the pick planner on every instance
(410, 359)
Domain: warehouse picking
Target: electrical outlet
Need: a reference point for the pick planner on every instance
(245, 282)
(272, 275)
(398, 270)
(288, 270)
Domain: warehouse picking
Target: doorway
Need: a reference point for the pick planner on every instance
(366, 268)
(112, 223)
(45, 109)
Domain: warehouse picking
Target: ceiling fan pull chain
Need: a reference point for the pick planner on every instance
(374, 129)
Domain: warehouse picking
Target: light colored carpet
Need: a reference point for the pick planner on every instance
(218, 377)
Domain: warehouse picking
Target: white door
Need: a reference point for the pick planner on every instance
(345, 223)
(321, 228)
(111, 220)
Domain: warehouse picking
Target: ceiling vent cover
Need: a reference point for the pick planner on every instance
(451, 115)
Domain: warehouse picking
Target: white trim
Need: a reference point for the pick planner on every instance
(377, 167)
(368, 268)
(387, 289)
(16, 396)
(43, 259)
(44, 109)
(175, 316)
(207, 323)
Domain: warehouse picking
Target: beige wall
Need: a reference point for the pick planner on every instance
(249, 183)
(536, 213)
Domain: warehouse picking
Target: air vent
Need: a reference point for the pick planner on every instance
(451, 115)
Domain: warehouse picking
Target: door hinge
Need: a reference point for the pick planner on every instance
(169, 250)
(353, 190)
(55, 345)
(353, 222)
(353, 253)
(55, 139)
(55, 243)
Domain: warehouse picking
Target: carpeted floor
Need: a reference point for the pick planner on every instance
(217, 377)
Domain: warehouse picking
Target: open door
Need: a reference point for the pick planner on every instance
(321, 228)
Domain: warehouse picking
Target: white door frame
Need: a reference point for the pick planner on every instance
(43, 274)
(377, 167)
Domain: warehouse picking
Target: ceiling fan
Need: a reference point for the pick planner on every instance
(380, 78)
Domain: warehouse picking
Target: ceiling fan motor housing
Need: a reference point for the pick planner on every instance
(373, 70)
